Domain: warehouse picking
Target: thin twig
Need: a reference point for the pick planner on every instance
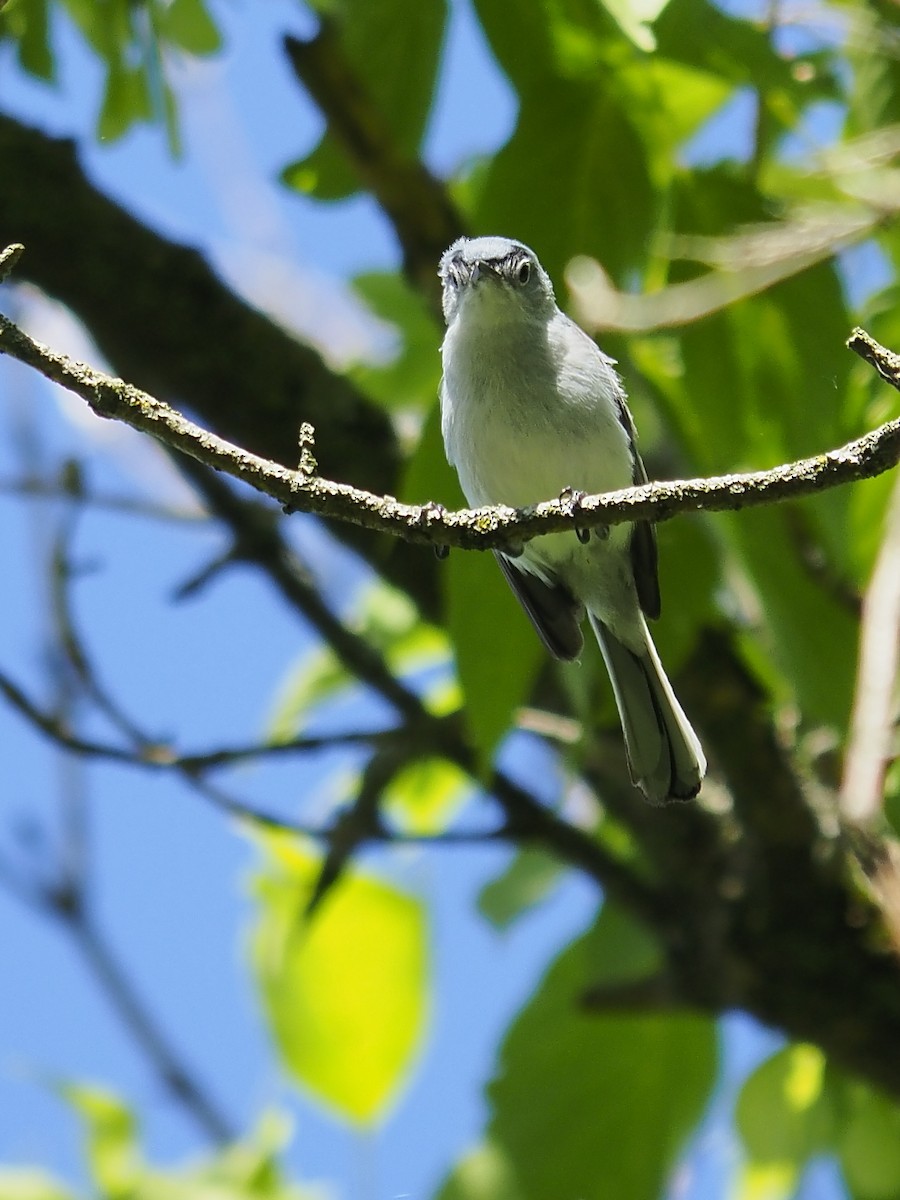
(130, 1007)
(258, 539)
(132, 506)
(159, 756)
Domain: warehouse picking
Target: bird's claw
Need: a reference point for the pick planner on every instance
(573, 498)
(429, 511)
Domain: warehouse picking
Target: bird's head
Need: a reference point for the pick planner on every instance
(495, 275)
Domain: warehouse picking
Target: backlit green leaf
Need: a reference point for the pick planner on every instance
(784, 1112)
(113, 1154)
(188, 24)
(345, 992)
(635, 17)
(411, 379)
(426, 795)
(27, 1184)
(28, 24)
(497, 650)
(483, 1174)
(868, 1140)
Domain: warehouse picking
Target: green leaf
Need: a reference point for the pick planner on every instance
(497, 650)
(426, 795)
(590, 1100)
(869, 1143)
(188, 25)
(387, 619)
(701, 34)
(323, 173)
(634, 18)
(530, 877)
(574, 130)
(766, 1181)
(690, 564)
(395, 49)
(108, 37)
(620, 949)
(28, 24)
(318, 677)
(758, 354)
(667, 103)
(428, 475)
(555, 40)
(112, 1150)
(345, 992)
(784, 1112)
(483, 1174)
(126, 100)
(813, 637)
(28, 1184)
(412, 377)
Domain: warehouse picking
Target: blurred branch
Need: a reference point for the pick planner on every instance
(812, 557)
(183, 332)
(872, 719)
(746, 263)
(417, 204)
(484, 528)
(132, 506)
(127, 1002)
(526, 819)
(61, 888)
(157, 755)
(257, 539)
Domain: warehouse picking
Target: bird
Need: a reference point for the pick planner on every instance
(531, 408)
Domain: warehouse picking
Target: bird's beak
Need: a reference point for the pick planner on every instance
(482, 270)
(471, 273)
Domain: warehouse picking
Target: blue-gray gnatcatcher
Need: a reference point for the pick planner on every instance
(530, 408)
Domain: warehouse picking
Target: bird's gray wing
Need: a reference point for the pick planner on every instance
(644, 557)
(553, 610)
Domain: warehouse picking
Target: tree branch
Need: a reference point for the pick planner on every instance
(184, 333)
(417, 204)
(494, 527)
(872, 717)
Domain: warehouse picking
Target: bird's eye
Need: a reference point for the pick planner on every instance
(524, 272)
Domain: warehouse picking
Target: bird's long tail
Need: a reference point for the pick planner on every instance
(664, 754)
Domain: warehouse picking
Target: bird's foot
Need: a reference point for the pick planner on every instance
(429, 511)
(573, 499)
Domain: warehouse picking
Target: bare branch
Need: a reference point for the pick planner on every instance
(9, 257)
(756, 261)
(885, 362)
(484, 528)
(130, 1007)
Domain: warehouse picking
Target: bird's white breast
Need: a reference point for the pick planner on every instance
(529, 408)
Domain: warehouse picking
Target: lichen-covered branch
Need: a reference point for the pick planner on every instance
(485, 528)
